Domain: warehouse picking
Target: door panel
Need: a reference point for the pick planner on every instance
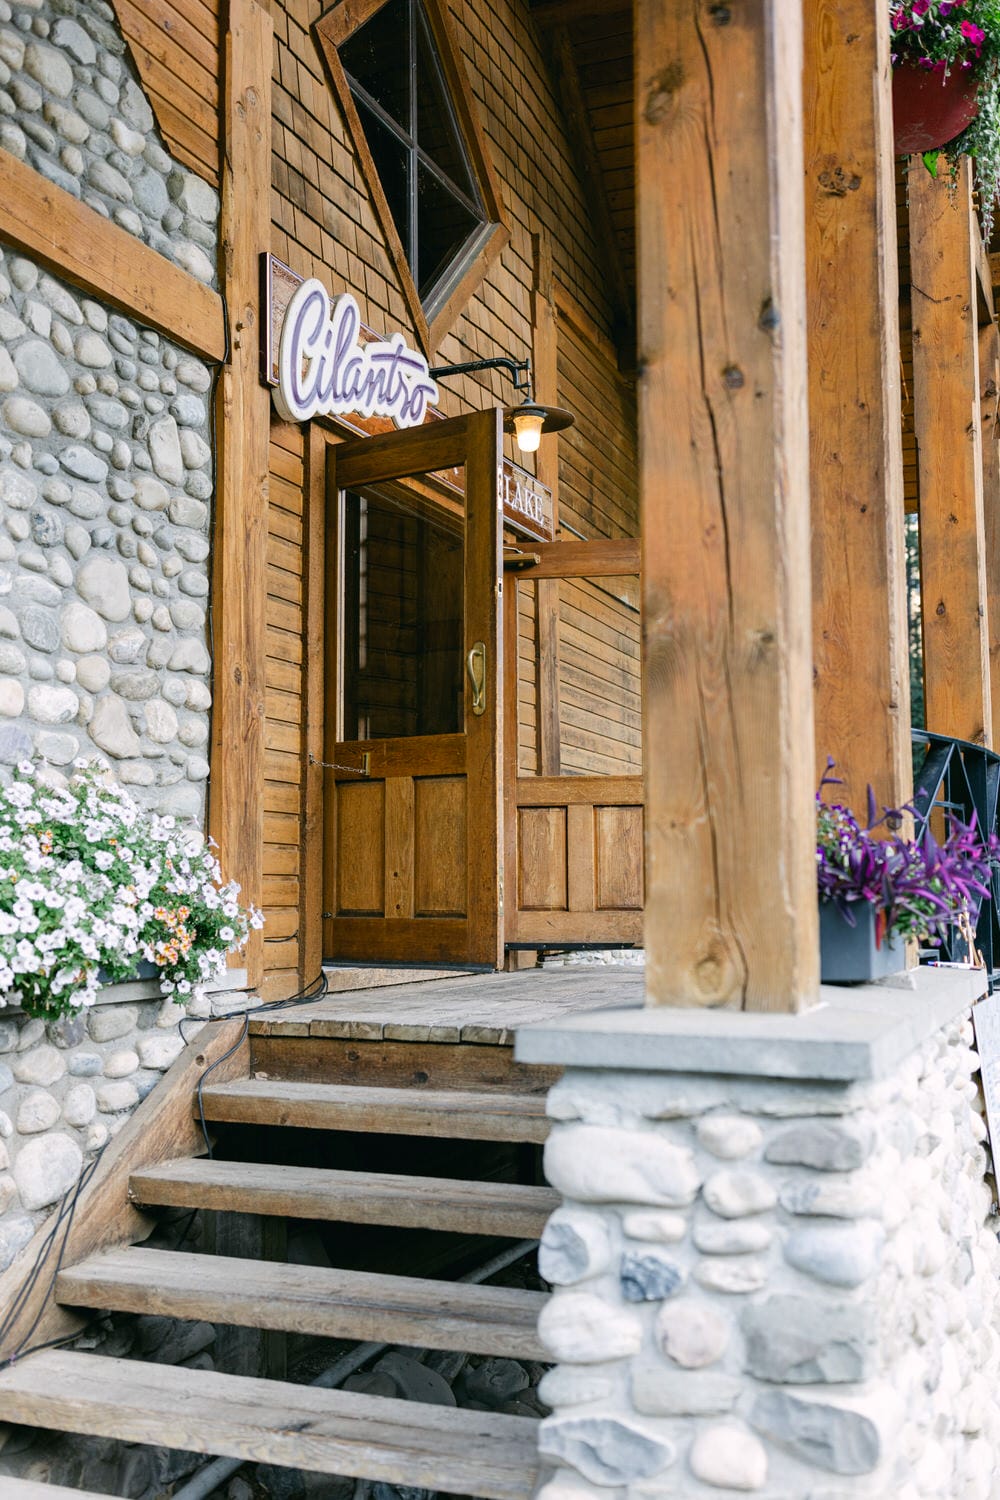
(413, 850)
(574, 809)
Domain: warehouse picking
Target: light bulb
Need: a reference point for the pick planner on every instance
(528, 430)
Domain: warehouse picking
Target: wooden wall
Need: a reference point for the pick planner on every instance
(175, 47)
(324, 224)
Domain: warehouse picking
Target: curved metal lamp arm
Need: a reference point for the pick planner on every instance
(519, 371)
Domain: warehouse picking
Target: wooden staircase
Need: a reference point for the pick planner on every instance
(159, 1161)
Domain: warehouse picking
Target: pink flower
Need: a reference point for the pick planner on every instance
(920, 7)
(972, 33)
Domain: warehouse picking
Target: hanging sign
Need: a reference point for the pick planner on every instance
(526, 504)
(338, 366)
(323, 369)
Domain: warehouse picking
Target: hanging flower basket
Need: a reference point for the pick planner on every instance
(929, 107)
(853, 955)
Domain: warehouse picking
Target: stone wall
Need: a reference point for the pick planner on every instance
(778, 1287)
(106, 483)
(71, 105)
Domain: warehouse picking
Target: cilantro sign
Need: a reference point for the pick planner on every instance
(324, 369)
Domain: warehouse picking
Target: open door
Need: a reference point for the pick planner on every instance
(412, 799)
(573, 745)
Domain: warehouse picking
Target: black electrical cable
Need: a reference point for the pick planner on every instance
(313, 991)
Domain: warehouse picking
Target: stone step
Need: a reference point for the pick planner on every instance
(268, 1421)
(314, 1300)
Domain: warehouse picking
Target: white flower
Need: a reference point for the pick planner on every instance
(227, 935)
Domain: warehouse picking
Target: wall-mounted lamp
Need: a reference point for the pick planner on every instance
(529, 420)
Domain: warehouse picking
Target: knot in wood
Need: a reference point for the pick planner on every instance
(721, 15)
(838, 183)
(661, 92)
(770, 318)
(941, 609)
(733, 378)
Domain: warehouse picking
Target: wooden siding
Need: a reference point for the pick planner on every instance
(175, 47)
(324, 224)
(594, 684)
(284, 757)
(598, 479)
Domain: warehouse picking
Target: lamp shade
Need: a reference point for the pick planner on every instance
(530, 420)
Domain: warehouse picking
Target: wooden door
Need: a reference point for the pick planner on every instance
(574, 831)
(412, 792)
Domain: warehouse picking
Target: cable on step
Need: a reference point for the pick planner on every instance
(66, 1211)
(68, 1203)
(315, 990)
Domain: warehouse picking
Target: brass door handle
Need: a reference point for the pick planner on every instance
(475, 664)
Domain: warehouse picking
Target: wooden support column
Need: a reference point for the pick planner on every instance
(236, 805)
(944, 255)
(731, 912)
(989, 404)
(860, 649)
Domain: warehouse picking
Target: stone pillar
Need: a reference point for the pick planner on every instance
(775, 1270)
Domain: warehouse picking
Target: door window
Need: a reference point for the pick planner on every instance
(404, 595)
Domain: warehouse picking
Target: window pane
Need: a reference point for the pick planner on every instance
(443, 226)
(403, 622)
(392, 163)
(378, 56)
(437, 135)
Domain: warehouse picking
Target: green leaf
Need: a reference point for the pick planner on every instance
(930, 159)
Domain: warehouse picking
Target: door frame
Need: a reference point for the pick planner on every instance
(474, 441)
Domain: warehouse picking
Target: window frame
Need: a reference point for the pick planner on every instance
(452, 292)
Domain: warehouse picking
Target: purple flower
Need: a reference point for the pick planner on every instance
(918, 887)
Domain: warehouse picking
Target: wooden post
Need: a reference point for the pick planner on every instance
(989, 392)
(944, 254)
(236, 806)
(731, 911)
(860, 648)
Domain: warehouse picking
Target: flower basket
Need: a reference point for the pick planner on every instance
(931, 108)
(853, 955)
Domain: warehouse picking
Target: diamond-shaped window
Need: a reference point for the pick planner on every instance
(407, 101)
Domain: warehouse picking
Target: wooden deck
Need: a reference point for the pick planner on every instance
(483, 1009)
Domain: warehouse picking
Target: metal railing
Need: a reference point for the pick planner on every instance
(962, 778)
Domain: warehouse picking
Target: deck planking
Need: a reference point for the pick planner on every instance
(484, 1009)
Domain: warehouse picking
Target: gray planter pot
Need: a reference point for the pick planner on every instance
(849, 955)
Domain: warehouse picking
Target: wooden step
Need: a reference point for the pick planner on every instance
(30, 1489)
(315, 1300)
(459, 1114)
(501, 1208)
(267, 1421)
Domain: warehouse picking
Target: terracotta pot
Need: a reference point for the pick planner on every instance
(931, 109)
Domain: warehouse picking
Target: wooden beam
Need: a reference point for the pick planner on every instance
(984, 282)
(544, 360)
(236, 804)
(989, 398)
(860, 649)
(79, 245)
(565, 12)
(581, 135)
(731, 911)
(944, 237)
